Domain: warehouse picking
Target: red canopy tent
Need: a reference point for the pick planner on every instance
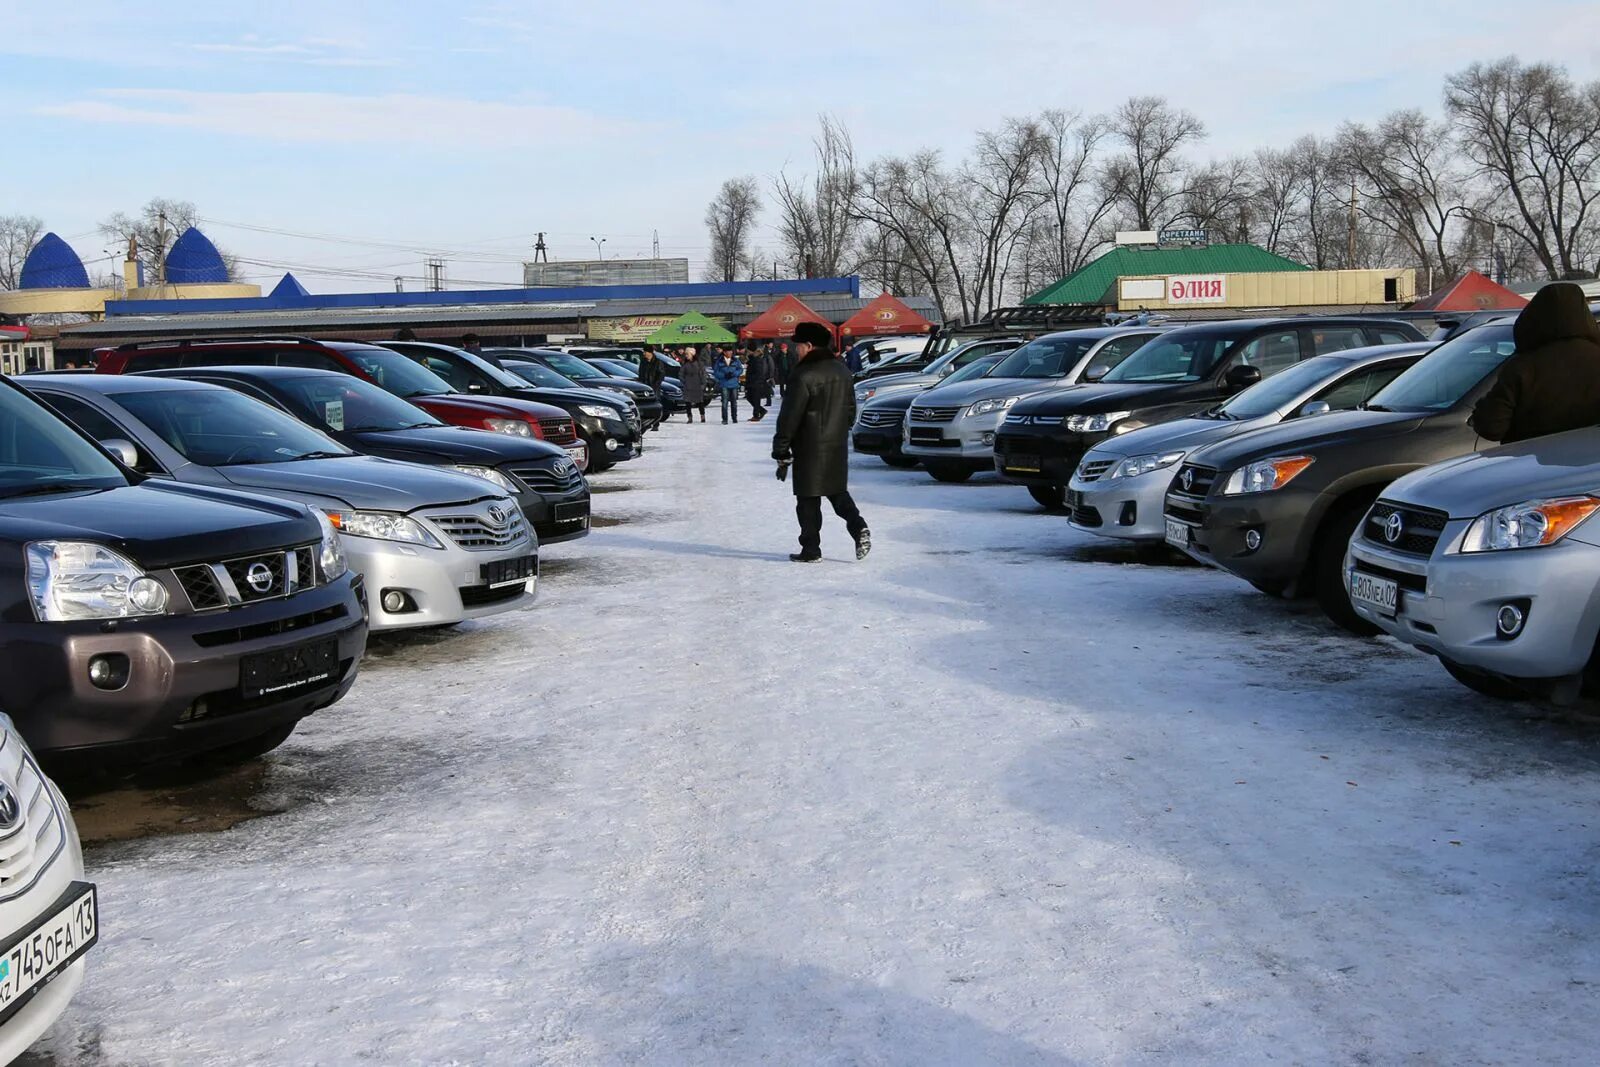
(885, 315)
(779, 320)
(1471, 292)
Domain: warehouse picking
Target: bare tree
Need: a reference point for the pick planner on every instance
(154, 228)
(1146, 176)
(1001, 186)
(1076, 203)
(1536, 136)
(815, 219)
(1220, 197)
(1412, 184)
(731, 218)
(18, 235)
(914, 203)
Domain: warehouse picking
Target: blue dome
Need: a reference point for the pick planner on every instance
(194, 260)
(52, 264)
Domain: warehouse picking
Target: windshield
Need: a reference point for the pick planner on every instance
(346, 403)
(540, 375)
(39, 453)
(573, 367)
(976, 369)
(396, 373)
(1175, 357)
(1264, 398)
(218, 427)
(1048, 357)
(1440, 380)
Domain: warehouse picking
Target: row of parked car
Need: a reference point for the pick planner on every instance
(1323, 457)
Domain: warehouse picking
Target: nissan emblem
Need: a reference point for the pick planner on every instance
(259, 575)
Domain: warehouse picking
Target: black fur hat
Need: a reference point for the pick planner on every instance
(813, 333)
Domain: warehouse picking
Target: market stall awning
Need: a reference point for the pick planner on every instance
(779, 320)
(1471, 292)
(692, 329)
(885, 315)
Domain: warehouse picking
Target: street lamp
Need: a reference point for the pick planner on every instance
(599, 247)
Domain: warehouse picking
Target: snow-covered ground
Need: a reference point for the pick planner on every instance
(996, 795)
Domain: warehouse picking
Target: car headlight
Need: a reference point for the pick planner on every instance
(331, 556)
(73, 580)
(1265, 475)
(599, 411)
(1095, 423)
(488, 474)
(514, 427)
(986, 407)
(383, 526)
(1134, 466)
(863, 395)
(1531, 524)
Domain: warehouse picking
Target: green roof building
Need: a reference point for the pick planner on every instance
(1096, 283)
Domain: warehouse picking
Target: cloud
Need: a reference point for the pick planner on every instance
(312, 51)
(396, 118)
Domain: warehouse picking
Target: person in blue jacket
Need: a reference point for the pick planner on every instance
(726, 373)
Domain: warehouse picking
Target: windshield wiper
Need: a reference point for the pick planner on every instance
(323, 455)
(44, 488)
(1375, 407)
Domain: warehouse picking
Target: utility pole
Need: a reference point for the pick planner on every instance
(541, 252)
(161, 248)
(1350, 237)
(655, 244)
(399, 284)
(434, 270)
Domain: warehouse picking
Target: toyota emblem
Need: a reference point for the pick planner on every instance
(1187, 478)
(259, 576)
(10, 807)
(1393, 527)
(498, 515)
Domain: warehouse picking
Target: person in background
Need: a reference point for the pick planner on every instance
(781, 366)
(651, 370)
(852, 359)
(471, 343)
(814, 436)
(727, 372)
(758, 383)
(405, 333)
(1552, 383)
(692, 379)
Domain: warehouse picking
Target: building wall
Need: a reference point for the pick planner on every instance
(605, 272)
(17, 357)
(1312, 288)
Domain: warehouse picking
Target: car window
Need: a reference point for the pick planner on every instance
(1325, 339)
(94, 422)
(217, 427)
(1047, 357)
(139, 361)
(37, 448)
(1351, 392)
(1445, 376)
(1271, 352)
(299, 357)
(1180, 356)
(400, 373)
(1392, 337)
(217, 358)
(348, 403)
(1111, 354)
(460, 378)
(1273, 393)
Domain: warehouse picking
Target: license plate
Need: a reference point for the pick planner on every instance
(580, 455)
(288, 669)
(1178, 535)
(31, 961)
(571, 512)
(1375, 592)
(503, 572)
(1020, 462)
(926, 437)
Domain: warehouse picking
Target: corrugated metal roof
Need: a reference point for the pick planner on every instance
(1095, 283)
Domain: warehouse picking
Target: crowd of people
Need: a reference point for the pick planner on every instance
(722, 372)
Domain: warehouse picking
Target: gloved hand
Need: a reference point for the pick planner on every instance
(784, 459)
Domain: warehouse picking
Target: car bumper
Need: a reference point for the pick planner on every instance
(1447, 605)
(1035, 459)
(611, 442)
(25, 913)
(1219, 527)
(184, 692)
(877, 442)
(541, 510)
(965, 439)
(1128, 508)
(443, 586)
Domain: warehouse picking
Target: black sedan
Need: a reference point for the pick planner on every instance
(669, 389)
(586, 376)
(359, 415)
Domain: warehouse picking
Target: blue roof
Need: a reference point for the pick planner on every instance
(289, 285)
(194, 260)
(52, 264)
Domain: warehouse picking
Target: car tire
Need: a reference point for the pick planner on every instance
(949, 472)
(1050, 497)
(244, 751)
(901, 462)
(1327, 569)
(1486, 684)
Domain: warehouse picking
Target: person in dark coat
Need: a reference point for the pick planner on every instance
(726, 373)
(1552, 383)
(814, 437)
(652, 371)
(782, 365)
(758, 383)
(692, 379)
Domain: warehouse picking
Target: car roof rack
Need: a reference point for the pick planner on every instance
(185, 342)
(1043, 317)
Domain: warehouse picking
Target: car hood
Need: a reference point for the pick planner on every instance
(160, 523)
(905, 389)
(363, 482)
(1092, 399)
(575, 396)
(494, 407)
(1185, 434)
(1307, 435)
(453, 444)
(889, 381)
(987, 389)
(1563, 464)
(900, 401)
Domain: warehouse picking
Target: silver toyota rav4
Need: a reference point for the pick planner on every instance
(1491, 563)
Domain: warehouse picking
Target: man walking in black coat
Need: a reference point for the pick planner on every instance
(652, 371)
(814, 436)
(1553, 382)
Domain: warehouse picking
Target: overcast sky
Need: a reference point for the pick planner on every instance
(466, 127)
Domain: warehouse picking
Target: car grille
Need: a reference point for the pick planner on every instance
(219, 585)
(558, 431)
(562, 479)
(881, 418)
(1084, 515)
(477, 533)
(29, 847)
(1200, 480)
(477, 596)
(1420, 528)
(1094, 469)
(924, 414)
(1014, 419)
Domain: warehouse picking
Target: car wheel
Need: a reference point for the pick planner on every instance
(1053, 497)
(1327, 569)
(1487, 684)
(245, 751)
(949, 472)
(903, 462)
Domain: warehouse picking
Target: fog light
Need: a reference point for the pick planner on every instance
(988, 438)
(109, 672)
(611, 444)
(395, 602)
(1130, 513)
(1252, 539)
(1509, 620)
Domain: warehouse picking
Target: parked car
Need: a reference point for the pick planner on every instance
(49, 912)
(386, 369)
(879, 422)
(1179, 373)
(132, 629)
(936, 372)
(1277, 506)
(542, 478)
(877, 353)
(1120, 488)
(1489, 561)
(587, 376)
(951, 428)
(435, 547)
(669, 392)
(607, 421)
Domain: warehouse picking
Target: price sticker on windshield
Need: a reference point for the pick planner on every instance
(333, 414)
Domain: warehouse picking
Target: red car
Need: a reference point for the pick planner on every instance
(381, 366)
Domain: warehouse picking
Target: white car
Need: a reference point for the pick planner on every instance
(49, 916)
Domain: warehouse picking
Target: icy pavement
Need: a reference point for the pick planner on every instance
(996, 795)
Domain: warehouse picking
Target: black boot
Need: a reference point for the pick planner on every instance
(805, 557)
(863, 544)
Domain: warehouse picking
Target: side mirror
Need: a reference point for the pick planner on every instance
(474, 387)
(126, 454)
(1315, 407)
(1241, 377)
(1096, 372)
